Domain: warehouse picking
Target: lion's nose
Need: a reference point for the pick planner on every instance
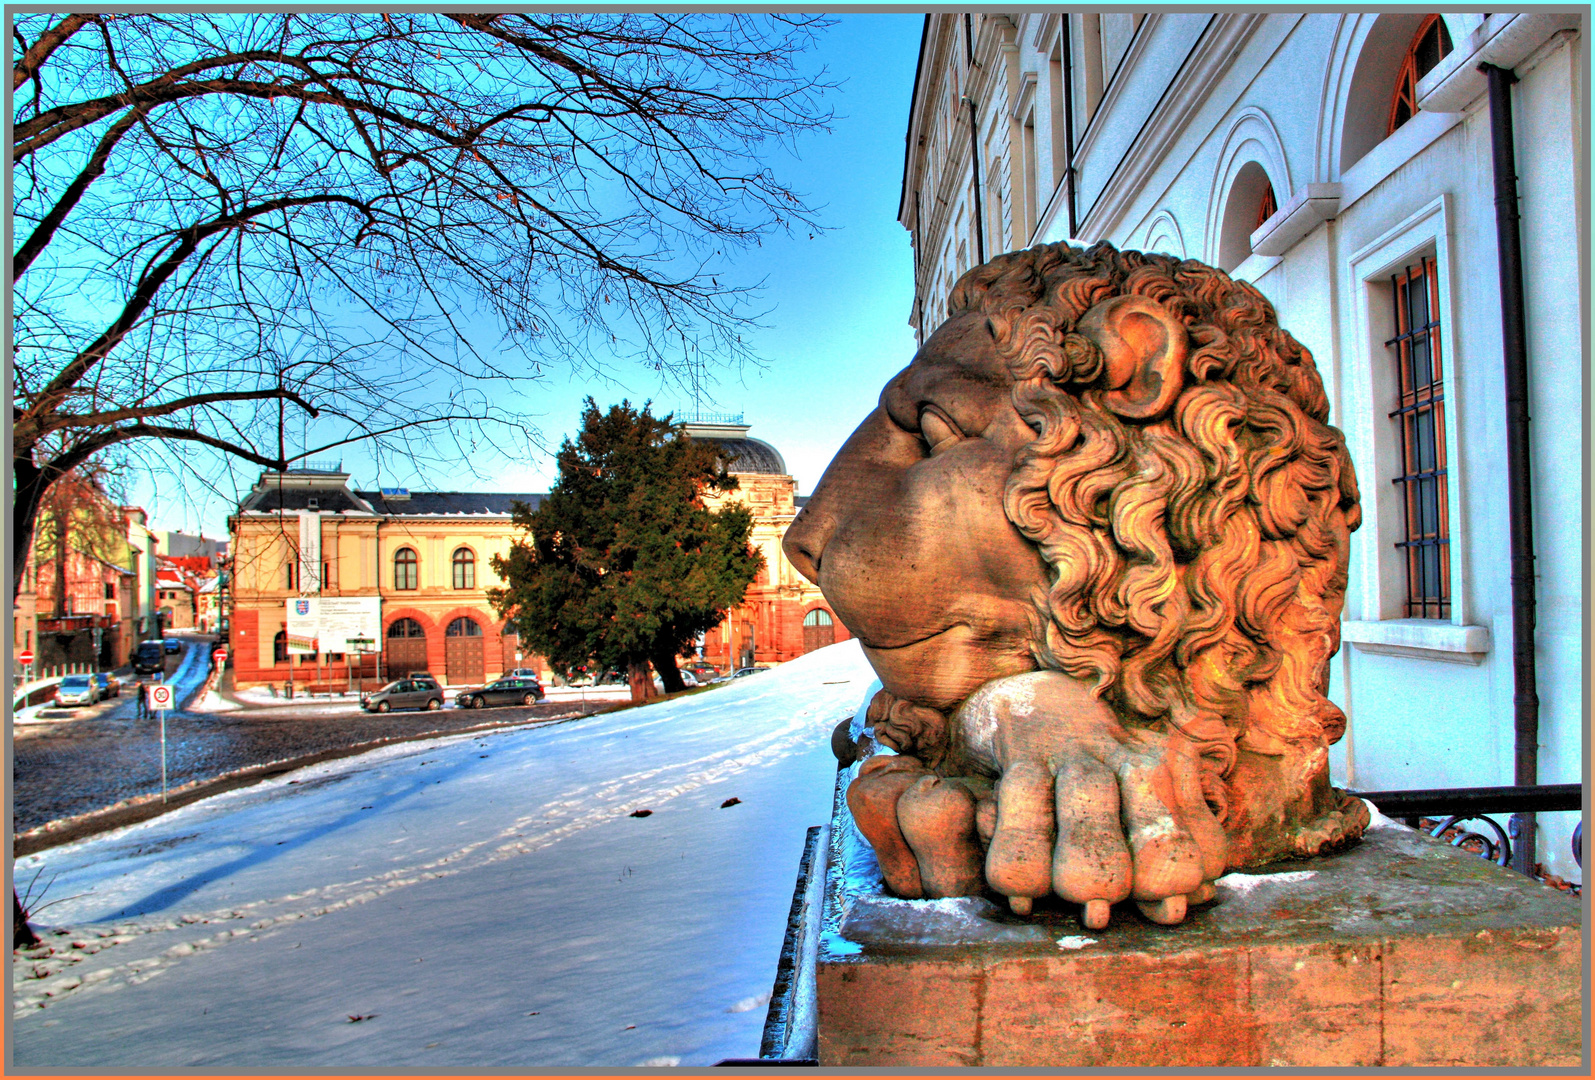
(806, 538)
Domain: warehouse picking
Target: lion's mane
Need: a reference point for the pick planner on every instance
(1199, 558)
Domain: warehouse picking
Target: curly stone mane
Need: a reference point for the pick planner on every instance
(1199, 557)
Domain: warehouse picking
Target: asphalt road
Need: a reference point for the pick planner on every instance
(72, 767)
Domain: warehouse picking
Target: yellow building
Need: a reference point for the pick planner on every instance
(424, 556)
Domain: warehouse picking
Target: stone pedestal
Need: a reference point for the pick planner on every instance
(1403, 951)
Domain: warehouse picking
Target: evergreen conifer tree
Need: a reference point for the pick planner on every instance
(624, 564)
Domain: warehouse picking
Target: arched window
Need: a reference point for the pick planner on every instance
(406, 569)
(817, 617)
(406, 628)
(463, 627)
(1429, 45)
(1267, 207)
(279, 648)
(1249, 192)
(464, 568)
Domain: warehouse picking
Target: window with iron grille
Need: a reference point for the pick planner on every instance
(1420, 419)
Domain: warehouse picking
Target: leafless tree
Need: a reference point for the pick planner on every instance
(224, 222)
(77, 515)
(227, 221)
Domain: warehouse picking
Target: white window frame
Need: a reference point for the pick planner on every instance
(1376, 605)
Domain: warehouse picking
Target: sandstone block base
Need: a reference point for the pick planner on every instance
(1402, 951)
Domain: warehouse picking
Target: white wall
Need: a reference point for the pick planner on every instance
(1195, 98)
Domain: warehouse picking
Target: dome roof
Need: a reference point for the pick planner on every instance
(747, 455)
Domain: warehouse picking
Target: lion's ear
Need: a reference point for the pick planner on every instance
(1144, 349)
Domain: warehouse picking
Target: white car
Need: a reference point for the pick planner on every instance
(687, 677)
(740, 673)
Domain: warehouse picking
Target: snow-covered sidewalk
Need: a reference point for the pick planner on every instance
(609, 891)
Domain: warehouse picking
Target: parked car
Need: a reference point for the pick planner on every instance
(518, 690)
(410, 692)
(522, 673)
(703, 672)
(149, 659)
(108, 685)
(740, 673)
(687, 679)
(77, 690)
(173, 646)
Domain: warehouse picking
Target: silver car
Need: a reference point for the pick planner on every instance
(410, 692)
(77, 690)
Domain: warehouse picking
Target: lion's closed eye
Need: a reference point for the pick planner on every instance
(937, 430)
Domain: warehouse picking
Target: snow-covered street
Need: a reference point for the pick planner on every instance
(484, 900)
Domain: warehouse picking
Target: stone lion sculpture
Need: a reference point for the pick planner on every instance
(1094, 542)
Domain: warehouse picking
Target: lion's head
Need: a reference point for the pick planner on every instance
(1184, 486)
(1111, 464)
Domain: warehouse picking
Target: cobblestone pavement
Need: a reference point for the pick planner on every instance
(75, 766)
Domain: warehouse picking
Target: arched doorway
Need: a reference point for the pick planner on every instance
(462, 652)
(819, 630)
(406, 648)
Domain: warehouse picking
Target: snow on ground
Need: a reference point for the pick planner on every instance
(483, 900)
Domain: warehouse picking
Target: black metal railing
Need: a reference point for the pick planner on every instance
(1454, 810)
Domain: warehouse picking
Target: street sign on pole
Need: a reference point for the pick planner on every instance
(25, 657)
(160, 697)
(220, 656)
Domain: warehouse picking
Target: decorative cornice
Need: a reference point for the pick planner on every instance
(1505, 39)
(1301, 214)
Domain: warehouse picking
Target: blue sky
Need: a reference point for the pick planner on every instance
(837, 325)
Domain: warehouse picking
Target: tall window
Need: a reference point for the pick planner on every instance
(406, 572)
(279, 648)
(464, 568)
(1420, 418)
(290, 572)
(1429, 45)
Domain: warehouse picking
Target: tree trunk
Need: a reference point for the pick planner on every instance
(669, 674)
(642, 686)
(29, 494)
(61, 522)
(30, 485)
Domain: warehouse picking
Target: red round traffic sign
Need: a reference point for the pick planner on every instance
(220, 656)
(26, 656)
(160, 696)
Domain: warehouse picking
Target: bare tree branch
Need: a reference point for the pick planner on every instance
(46, 43)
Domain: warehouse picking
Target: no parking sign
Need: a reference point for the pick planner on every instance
(160, 696)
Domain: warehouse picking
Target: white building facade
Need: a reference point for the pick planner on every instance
(1342, 163)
